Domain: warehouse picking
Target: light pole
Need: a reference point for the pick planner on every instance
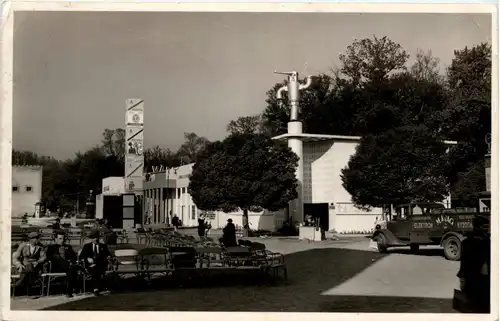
(293, 88)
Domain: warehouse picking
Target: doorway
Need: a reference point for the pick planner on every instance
(318, 211)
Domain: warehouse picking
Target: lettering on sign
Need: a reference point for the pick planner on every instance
(464, 224)
(422, 225)
(208, 215)
(444, 220)
(157, 169)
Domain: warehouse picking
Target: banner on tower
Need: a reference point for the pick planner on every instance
(134, 145)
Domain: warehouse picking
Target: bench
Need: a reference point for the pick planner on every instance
(142, 263)
(49, 276)
(15, 276)
(155, 261)
(210, 257)
(275, 262)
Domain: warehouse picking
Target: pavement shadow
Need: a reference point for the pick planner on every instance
(385, 304)
(310, 273)
(421, 252)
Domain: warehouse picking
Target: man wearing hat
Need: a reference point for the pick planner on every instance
(229, 234)
(29, 258)
(96, 257)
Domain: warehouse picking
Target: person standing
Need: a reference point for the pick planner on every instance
(63, 259)
(201, 227)
(28, 259)
(475, 266)
(96, 256)
(208, 226)
(229, 234)
(175, 221)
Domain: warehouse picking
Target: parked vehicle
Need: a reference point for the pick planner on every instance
(415, 225)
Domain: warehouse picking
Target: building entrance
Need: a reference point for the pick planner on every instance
(318, 211)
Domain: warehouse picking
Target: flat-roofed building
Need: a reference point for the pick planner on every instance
(26, 190)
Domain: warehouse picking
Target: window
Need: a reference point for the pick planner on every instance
(29, 188)
(15, 188)
(193, 212)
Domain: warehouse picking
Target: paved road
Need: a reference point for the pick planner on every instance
(341, 276)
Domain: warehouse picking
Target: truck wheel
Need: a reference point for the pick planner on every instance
(414, 248)
(452, 248)
(381, 243)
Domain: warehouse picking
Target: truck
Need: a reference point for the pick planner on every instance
(423, 224)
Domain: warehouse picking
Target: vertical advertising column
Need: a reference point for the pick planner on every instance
(134, 146)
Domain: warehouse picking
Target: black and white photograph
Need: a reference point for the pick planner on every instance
(315, 158)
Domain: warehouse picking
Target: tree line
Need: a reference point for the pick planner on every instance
(402, 112)
(66, 181)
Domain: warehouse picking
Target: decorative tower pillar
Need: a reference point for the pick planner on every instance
(293, 87)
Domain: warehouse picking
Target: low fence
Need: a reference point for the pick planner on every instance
(355, 223)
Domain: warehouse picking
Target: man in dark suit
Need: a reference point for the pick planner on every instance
(229, 234)
(201, 227)
(475, 266)
(63, 259)
(96, 257)
(29, 259)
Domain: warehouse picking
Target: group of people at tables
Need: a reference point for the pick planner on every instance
(31, 256)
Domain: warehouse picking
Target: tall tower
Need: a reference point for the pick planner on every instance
(293, 88)
(134, 145)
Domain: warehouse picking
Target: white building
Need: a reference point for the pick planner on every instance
(160, 207)
(324, 157)
(26, 189)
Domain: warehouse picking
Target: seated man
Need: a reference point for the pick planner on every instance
(96, 257)
(28, 259)
(63, 259)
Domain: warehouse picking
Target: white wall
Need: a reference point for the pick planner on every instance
(323, 163)
(23, 201)
(269, 221)
(113, 186)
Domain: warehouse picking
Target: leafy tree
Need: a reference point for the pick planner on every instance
(403, 165)
(113, 142)
(426, 67)
(192, 146)
(372, 60)
(468, 116)
(243, 171)
(325, 108)
(468, 183)
(158, 156)
(246, 125)
(400, 100)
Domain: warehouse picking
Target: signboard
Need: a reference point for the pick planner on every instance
(442, 222)
(134, 145)
(133, 184)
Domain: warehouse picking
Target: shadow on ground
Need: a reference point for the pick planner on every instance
(310, 274)
(421, 252)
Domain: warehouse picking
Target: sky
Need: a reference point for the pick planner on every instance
(73, 71)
